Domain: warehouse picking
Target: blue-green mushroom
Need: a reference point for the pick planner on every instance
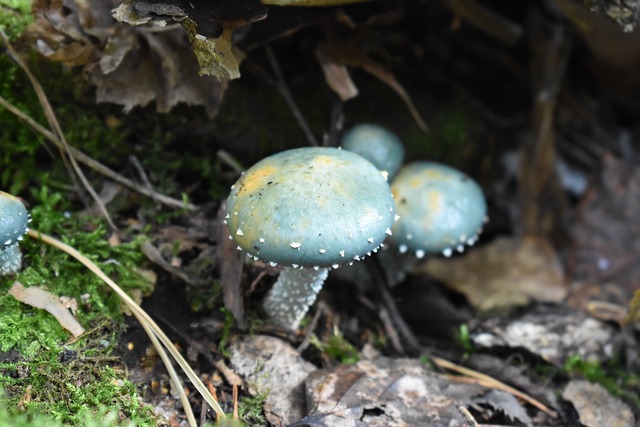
(441, 209)
(376, 144)
(14, 221)
(308, 210)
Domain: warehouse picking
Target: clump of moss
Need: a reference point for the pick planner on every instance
(49, 268)
(15, 16)
(250, 409)
(612, 376)
(72, 387)
(15, 418)
(45, 374)
(337, 348)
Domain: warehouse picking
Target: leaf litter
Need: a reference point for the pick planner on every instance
(130, 66)
(507, 275)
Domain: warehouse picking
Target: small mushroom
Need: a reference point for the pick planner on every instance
(14, 220)
(441, 209)
(308, 210)
(376, 144)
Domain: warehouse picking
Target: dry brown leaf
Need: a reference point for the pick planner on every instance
(351, 52)
(337, 76)
(216, 55)
(506, 273)
(596, 407)
(270, 364)
(130, 66)
(39, 298)
(385, 392)
(554, 333)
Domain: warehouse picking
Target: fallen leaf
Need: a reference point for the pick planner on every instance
(554, 333)
(506, 273)
(39, 298)
(385, 392)
(336, 75)
(506, 403)
(130, 66)
(339, 52)
(269, 364)
(216, 56)
(596, 407)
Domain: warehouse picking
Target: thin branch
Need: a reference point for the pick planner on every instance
(141, 315)
(55, 125)
(286, 94)
(93, 164)
(379, 279)
(490, 382)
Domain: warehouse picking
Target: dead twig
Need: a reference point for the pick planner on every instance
(476, 377)
(154, 255)
(322, 309)
(55, 125)
(281, 84)
(141, 172)
(392, 332)
(486, 20)
(156, 334)
(230, 161)
(378, 277)
(93, 164)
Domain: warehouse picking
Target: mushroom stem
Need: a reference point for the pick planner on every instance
(293, 293)
(10, 259)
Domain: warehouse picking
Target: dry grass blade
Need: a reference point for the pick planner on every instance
(490, 382)
(150, 326)
(55, 125)
(177, 384)
(93, 164)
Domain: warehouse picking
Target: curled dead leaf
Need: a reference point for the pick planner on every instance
(506, 273)
(40, 298)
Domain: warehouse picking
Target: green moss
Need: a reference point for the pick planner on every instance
(250, 409)
(15, 418)
(27, 330)
(23, 151)
(612, 376)
(229, 326)
(15, 15)
(337, 348)
(72, 387)
(90, 383)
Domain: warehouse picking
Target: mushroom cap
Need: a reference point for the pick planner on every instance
(310, 207)
(376, 144)
(14, 220)
(440, 209)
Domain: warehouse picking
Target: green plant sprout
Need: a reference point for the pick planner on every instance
(337, 348)
(463, 337)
